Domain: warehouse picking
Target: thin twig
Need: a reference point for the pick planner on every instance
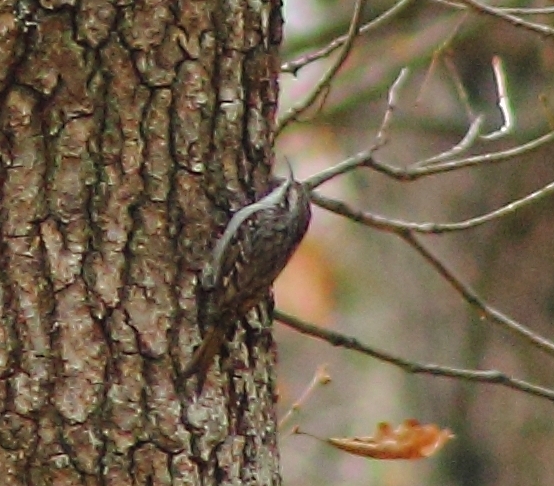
(527, 10)
(465, 144)
(483, 9)
(508, 118)
(347, 342)
(471, 297)
(458, 84)
(513, 10)
(414, 172)
(395, 225)
(437, 54)
(380, 140)
(294, 66)
(463, 163)
(321, 377)
(382, 134)
(324, 83)
(428, 75)
(405, 231)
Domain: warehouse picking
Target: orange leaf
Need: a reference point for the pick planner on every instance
(410, 440)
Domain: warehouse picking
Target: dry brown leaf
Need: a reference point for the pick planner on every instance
(410, 440)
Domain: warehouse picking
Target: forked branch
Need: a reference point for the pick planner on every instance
(324, 83)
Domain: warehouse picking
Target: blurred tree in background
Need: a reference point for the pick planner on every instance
(371, 284)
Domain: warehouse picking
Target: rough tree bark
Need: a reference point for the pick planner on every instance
(129, 133)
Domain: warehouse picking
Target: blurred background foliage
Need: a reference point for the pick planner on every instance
(371, 285)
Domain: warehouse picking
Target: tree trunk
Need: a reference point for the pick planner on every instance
(129, 133)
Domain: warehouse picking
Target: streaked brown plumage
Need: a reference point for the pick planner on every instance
(255, 247)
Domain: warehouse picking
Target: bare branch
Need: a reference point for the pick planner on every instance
(503, 102)
(471, 297)
(513, 10)
(414, 172)
(325, 82)
(382, 134)
(437, 54)
(405, 231)
(297, 64)
(488, 158)
(321, 377)
(527, 10)
(482, 376)
(459, 85)
(396, 225)
(466, 143)
(500, 14)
